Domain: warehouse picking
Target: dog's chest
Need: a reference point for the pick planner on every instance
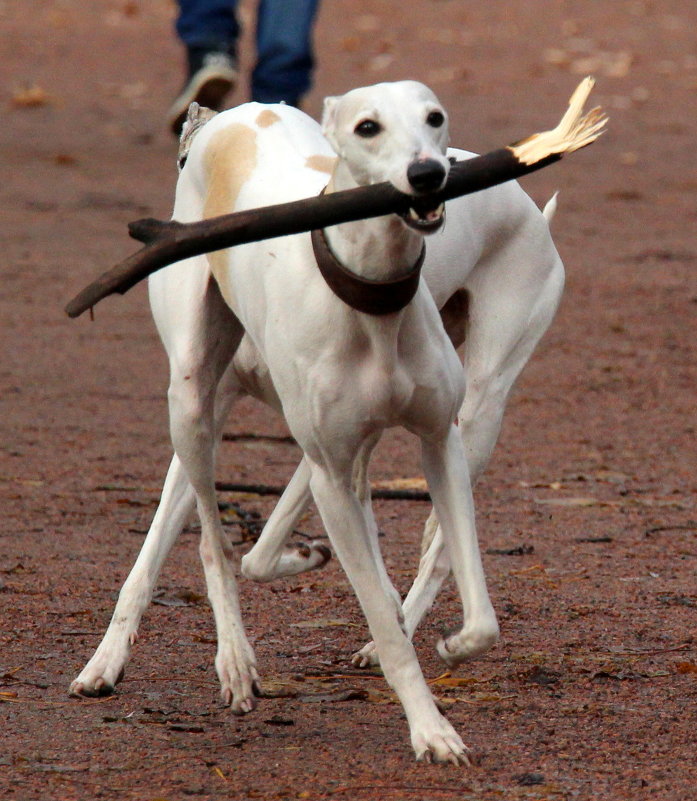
(386, 390)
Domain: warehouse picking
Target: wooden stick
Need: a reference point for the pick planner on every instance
(269, 489)
(168, 242)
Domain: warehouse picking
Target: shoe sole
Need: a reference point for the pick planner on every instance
(208, 88)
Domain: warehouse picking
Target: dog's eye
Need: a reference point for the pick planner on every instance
(435, 119)
(368, 128)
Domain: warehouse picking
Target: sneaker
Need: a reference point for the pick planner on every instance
(211, 77)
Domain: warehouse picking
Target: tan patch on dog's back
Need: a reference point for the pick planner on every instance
(267, 118)
(321, 163)
(230, 159)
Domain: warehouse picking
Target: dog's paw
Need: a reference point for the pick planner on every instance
(441, 743)
(299, 558)
(244, 700)
(468, 642)
(303, 557)
(96, 680)
(366, 657)
(239, 683)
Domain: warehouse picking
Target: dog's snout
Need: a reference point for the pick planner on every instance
(426, 175)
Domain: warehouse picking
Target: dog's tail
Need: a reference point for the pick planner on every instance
(550, 208)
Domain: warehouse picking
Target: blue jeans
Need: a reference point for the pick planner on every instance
(285, 58)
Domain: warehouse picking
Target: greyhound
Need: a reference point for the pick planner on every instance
(341, 376)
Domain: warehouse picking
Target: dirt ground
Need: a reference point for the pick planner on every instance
(586, 514)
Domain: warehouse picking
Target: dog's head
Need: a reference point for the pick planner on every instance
(396, 132)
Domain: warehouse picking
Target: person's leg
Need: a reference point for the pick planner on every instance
(285, 58)
(209, 30)
(208, 25)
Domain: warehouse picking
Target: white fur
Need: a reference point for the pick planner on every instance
(340, 377)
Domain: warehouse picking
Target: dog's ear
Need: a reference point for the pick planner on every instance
(329, 114)
(329, 111)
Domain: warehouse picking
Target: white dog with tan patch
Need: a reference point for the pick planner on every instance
(342, 375)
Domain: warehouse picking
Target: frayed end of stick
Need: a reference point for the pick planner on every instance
(576, 130)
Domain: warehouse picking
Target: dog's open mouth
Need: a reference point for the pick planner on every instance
(423, 216)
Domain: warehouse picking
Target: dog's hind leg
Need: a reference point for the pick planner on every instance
(508, 318)
(526, 280)
(447, 473)
(434, 568)
(522, 284)
(270, 558)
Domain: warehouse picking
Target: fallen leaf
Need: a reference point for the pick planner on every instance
(280, 689)
(350, 676)
(493, 697)
(448, 680)
(518, 550)
(378, 697)
(350, 44)
(416, 483)
(30, 97)
(577, 501)
(18, 568)
(611, 476)
(351, 694)
(686, 667)
(557, 56)
(367, 23)
(323, 623)
(529, 779)
(531, 569)
(543, 676)
(182, 597)
(65, 160)
(613, 65)
(186, 727)
(381, 62)
(446, 74)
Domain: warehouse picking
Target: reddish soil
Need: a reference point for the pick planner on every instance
(592, 692)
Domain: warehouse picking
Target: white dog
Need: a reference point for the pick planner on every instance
(341, 376)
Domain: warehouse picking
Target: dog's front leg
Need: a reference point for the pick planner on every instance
(432, 736)
(445, 466)
(235, 662)
(197, 365)
(106, 667)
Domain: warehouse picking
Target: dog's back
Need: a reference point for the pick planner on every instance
(254, 155)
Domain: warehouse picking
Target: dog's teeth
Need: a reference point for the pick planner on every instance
(413, 214)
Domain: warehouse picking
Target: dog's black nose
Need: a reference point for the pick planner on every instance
(426, 175)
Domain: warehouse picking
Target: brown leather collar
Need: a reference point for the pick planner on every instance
(365, 294)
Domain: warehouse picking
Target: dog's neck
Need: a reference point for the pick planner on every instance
(381, 248)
